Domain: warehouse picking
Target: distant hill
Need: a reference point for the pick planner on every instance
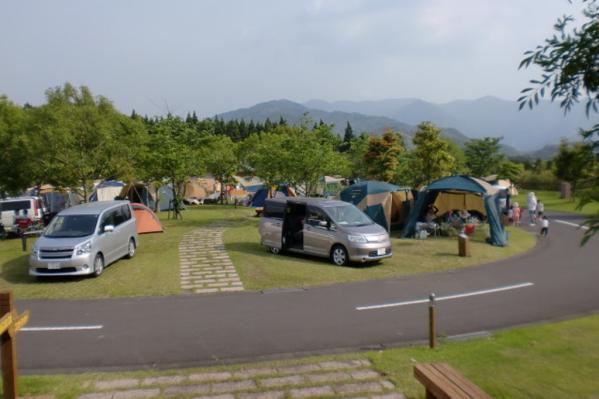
(294, 113)
(525, 130)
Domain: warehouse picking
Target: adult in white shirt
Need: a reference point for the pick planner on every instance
(532, 208)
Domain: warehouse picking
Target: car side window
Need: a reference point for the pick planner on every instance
(315, 216)
(108, 218)
(126, 212)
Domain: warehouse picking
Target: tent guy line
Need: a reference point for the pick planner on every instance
(63, 328)
(445, 298)
(572, 224)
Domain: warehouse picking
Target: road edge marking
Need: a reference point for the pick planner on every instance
(572, 224)
(448, 297)
(62, 328)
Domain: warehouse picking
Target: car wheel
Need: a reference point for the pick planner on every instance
(131, 249)
(274, 250)
(339, 255)
(98, 265)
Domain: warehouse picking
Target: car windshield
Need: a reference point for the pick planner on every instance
(348, 215)
(71, 226)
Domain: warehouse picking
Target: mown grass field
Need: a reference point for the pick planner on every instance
(556, 360)
(260, 269)
(155, 269)
(553, 202)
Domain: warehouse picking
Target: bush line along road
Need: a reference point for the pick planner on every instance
(555, 280)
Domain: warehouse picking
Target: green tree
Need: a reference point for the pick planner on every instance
(219, 154)
(511, 170)
(79, 138)
(483, 156)
(348, 137)
(382, 156)
(431, 158)
(574, 164)
(356, 156)
(170, 158)
(569, 63)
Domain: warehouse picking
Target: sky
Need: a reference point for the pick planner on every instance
(215, 56)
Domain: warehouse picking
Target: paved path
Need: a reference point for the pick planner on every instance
(303, 380)
(205, 264)
(558, 279)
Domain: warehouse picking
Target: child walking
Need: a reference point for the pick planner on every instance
(544, 226)
(517, 214)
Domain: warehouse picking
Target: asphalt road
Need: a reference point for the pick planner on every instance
(558, 279)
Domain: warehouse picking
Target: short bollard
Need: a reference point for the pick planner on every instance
(432, 333)
(23, 240)
(463, 245)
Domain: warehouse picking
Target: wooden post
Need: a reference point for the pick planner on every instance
(8, 349)
(432, 334)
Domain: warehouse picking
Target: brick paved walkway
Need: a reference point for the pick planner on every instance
(331, 379)
(205, 264)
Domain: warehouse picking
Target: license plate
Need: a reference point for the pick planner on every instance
(54, 265)
(381, 251)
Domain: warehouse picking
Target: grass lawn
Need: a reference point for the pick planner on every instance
(260, 269)
(557, 360)
(154, 271)
(553, 202)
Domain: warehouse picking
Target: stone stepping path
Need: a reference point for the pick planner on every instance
(332, 379)
(205, 264)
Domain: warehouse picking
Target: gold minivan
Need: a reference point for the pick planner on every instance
(332, 229)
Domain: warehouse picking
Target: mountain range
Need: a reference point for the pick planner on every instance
(523, 132)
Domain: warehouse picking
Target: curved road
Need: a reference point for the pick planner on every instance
(557, 279)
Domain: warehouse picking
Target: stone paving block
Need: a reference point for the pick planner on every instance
(302, 368)
(234, 386)
(225, 396)
(217, 376)
(282, 381)
(136, 394)
(163, 380)
(115, 384)
(232, 289)
(344, 364)
(328, 377)
(359, 387)
(37, 397)
(310, 392)
(249, 373)
(395, 395)
(387, 384)
(186, 389)
(263, 395)
(103, 395)
(364, 374)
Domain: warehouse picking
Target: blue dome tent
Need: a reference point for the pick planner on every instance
(460, 192)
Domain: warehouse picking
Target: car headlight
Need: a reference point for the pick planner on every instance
(356, 238)
(84, 248)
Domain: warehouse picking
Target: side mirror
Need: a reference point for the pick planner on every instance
(108, 228)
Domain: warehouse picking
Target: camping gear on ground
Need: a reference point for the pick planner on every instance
(282, 190)
(165, 198)
(387, 204)
(146, 220)
(107, 190)
(460, 193)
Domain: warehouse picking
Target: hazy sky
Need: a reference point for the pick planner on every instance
(215, 56)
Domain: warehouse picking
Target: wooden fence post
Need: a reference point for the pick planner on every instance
(9, 349)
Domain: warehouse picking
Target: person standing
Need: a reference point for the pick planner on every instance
(540, 209)
(532, 208)
(517, 214)
(544, 226)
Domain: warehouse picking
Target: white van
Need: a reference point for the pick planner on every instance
(12, 209)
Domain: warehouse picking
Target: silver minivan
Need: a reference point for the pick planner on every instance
(85, 239)
(333, 229)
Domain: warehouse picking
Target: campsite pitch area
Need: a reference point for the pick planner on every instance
(557, 360)
(259, 269)
(154, 271)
